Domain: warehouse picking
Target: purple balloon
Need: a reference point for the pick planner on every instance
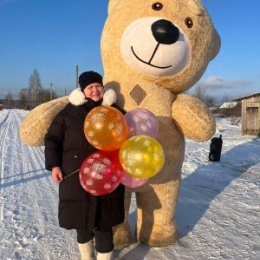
(132, 182)
(141, 122)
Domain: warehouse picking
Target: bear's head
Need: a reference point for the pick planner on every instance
(167, 42)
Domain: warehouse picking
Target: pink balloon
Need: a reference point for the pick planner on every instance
(141, 122)
(132, 182)
(100, 173)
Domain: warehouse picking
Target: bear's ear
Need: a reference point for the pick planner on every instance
(112, 4)
(215, 46)
(196, 7)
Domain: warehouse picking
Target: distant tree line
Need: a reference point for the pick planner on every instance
(35, 95)
(32, 96)
(200, 92)
(234, 112)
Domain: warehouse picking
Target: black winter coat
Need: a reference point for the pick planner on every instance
(66, 146)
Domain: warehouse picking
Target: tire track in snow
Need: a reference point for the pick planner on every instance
(37, 165)
(31, 196)
(10, 156)
(20, 213)
(5, 118)
(12, 182)
(4, 127)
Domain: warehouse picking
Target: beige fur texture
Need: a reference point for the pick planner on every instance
(35, 125)
(152, 52)
(153, 74)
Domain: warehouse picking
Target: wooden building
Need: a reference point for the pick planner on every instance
(250, 114)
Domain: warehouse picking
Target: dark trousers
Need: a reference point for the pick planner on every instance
(103, 239)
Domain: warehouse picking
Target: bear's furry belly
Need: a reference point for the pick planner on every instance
(159, 101)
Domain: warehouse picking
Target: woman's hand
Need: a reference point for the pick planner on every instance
(56, 174)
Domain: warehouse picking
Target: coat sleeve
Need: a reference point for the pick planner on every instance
(119, 108)
(53, 142)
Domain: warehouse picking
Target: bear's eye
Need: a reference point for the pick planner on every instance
(157, 6)
(188, 22)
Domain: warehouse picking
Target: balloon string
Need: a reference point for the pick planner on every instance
(70, 174)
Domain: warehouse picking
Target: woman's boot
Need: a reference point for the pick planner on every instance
(105, 256)
(87, 250)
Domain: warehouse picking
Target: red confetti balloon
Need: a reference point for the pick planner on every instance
(100, 173)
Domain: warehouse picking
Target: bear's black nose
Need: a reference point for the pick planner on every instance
(165, 32)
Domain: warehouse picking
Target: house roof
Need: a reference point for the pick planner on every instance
(246, 97)
(228, 104)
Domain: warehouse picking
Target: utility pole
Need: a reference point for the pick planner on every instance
(65, 92)
(9, 101)
(38, 97)
(51, 92)
(77, 75)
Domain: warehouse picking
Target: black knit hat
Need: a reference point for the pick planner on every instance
(89, 77)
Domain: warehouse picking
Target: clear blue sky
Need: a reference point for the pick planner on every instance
(53, 36)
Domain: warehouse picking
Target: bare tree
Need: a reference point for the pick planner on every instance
(8, 100)
(210, 101)
(24, 98)
(35, 87)
(45, 95)
(200, 92)
(225, 98)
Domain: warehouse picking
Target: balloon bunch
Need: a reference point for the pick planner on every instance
(127, 151)
(141, 156)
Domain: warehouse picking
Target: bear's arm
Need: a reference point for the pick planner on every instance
(35, 125)
(193, 118)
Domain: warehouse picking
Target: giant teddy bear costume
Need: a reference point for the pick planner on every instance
(152, 52)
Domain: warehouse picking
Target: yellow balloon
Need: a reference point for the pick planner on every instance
(105, 128)
(141, 156)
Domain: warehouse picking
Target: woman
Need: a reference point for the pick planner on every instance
(65, 148)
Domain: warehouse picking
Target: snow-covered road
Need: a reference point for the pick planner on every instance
(28, 200)
(218, 212)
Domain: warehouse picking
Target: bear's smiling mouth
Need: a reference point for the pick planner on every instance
(149, 62)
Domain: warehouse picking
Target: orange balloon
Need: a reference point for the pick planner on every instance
(105, 128)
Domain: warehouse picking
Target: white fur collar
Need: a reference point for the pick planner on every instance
(77, 97)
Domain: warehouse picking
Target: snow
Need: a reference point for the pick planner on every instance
(218, 213)
(229, 104)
